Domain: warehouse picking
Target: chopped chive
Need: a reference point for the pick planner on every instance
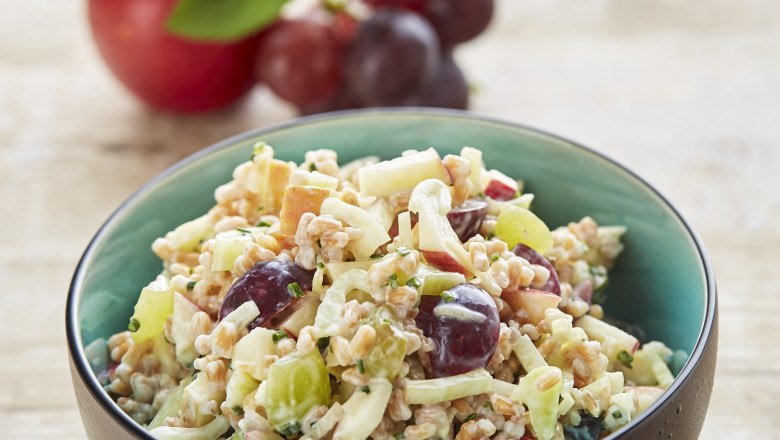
(323, 342)
(263, 224)
(365, 389)
(237, 409)
(470, 417)
(399, 436)
(393, 281)
(625, 358)
(278, 336)
(321, 265)
(447, 296)
(191, 285)
(294, 289)
(488, 405)
(134, 325)
(243, 231)
(494, 257)
(192, 270)
(402, 251)
(491, 236)
(481, 195)
(414, 282)
(260, 208)
(617, 414)
(360, 366)
(312, 167)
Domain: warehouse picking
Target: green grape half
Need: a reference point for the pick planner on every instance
(387, 354)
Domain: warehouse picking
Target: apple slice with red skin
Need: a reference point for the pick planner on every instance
(534, 302)
(439, 243)
(444, 261)
(498, 190)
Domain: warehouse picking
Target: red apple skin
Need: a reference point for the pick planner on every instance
(165, 71)
(444, 261)
(498, 190)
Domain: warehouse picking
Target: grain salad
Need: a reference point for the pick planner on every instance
(413, 298)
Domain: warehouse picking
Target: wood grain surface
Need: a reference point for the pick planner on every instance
(684, 92)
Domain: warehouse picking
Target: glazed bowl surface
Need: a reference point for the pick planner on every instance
(662, 282)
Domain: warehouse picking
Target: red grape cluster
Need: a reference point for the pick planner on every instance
(400, 55)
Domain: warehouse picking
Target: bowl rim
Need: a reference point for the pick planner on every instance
(76, 349)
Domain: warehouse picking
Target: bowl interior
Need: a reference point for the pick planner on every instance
(659, 282)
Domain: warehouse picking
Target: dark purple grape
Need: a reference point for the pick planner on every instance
(552, 285)
(457, 21)
(467, 218)
(448, 88)
(270, 284)
(412, 5)
(300, 62)
(461, 344)
(394, 53)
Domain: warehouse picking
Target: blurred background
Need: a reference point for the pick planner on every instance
(684, 92)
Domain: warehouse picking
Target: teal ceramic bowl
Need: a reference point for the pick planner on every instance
(663, 281)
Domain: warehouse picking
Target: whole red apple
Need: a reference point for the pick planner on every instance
(166, 71)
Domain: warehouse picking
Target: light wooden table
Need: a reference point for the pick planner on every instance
(687, 93)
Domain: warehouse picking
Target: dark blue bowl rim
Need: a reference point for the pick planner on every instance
(76, 350)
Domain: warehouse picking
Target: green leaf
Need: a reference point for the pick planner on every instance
(221, 20)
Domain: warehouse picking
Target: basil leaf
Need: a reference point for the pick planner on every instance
(221, 20)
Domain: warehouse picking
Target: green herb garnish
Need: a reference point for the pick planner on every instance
(365, 389)
(294, 289)
(494, 257)
(625, 358)
(191, 285)
(414, 282)
(134, 325)
(360, 366)
(278, 336)
(263, 224)
(470, 417)
(323, 342)
(447, 296)
(243, 231)
(321, 265)
(399, 436)
(393, 281)
(617, 414)
(237, 409)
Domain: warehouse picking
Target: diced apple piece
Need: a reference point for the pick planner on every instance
(181, 328)
(250, 352)
(439, 243)
(613, 340)
(476, 166)
(401, 174)
(297, 201)
(302, 317)
(154, 306)
(518, 225)
(381, 210)
(434, 281)
(228, 246)
(405, 236)
(279, 173)
(374, 234)
(500, 186)
(188, 236)
(534, 302)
